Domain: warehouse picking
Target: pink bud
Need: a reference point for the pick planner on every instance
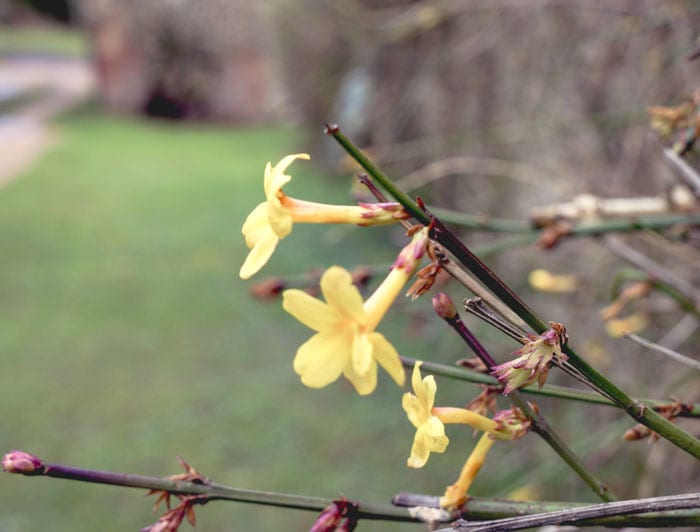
(443, 305)
(21, 463)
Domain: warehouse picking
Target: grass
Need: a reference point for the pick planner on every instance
(41, 39)
(128, 337)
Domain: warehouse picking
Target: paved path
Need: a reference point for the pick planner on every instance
(25, 132)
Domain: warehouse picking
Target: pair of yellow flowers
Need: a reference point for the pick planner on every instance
(345, 342)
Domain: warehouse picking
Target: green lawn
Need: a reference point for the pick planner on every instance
(49, 39)
(127, 337)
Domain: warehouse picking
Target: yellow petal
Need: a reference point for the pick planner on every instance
(341, 294)
(419, 452)
(426, 390)
(259, 255)
(416, 377)
(321, 359)
(313, 313)
(275, 177)
(387, 357)
(361, 357)
(414, 409)
(435, 432)
(364, 384)
(279, 218)
(256, 225)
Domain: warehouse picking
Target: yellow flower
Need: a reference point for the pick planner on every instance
(430, 431)
(346, 342)
(545, 281)
(619, 327)
(272, 219)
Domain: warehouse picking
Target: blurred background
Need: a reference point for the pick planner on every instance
(133, 137)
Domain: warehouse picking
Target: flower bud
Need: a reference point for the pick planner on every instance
(21, 463)
(512, 424)
(340, 516)
(444, 307)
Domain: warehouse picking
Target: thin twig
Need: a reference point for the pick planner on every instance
(695, 364)
(571, 516)
(653, 268)
(687, 172)
(209, 489)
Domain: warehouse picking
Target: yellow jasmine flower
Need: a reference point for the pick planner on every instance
(430, 431)
(346, 342)
(272, 219)
(430, 421)
(545, 281)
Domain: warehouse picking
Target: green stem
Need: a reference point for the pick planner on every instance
(548, 390)
(373, 170)
(447, 238)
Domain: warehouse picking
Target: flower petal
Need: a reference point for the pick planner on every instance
(256, 225)
(426, 390)
(259, 255)
(321, 359)
(361, 357)
(313, 313)
(364, 384)
(388, 358)
(279, 218)
(341, 294)
(435, 431)
(414, 409)
(416, 376)
(420, 450)
(275, 178)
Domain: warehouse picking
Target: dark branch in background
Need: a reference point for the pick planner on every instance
(478, 509)
(571, 516)
(653, 269)
(687, 172)
(687, 361)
